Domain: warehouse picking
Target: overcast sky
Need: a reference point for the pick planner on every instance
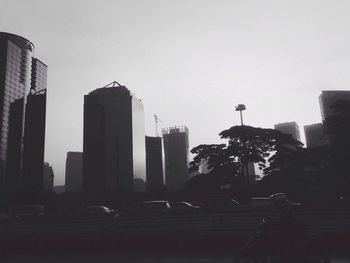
(190, 61)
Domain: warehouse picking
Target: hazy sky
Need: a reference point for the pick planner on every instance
(190, 61)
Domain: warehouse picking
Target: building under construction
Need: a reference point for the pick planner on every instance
(176, 153)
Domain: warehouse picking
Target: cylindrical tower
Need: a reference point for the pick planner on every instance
(15, 76)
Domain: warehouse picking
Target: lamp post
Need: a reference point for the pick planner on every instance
(240, 108)
(245, 172)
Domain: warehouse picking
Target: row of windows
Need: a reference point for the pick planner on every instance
(17, 93)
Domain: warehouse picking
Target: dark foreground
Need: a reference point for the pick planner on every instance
(211, 249)
(197, 238)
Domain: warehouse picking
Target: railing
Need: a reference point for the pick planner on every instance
(219, 224)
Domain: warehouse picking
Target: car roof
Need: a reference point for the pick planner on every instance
(155, 202)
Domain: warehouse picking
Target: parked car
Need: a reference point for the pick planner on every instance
(97, 212)
(148, 208)
(262, 203)
(27, 211)
(184, 208)
(273, 202)
(278, 197)
(219, 205)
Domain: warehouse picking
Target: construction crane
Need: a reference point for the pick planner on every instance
(156, 119)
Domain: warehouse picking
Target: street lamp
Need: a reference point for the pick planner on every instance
(245, 172)
(240, 108)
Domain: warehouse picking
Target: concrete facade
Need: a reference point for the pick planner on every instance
(314, 135)
(74, 172)
(291, 128)
(154, 163)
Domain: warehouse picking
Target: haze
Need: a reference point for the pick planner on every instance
(190, 61)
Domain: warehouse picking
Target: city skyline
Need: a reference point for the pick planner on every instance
(190, 62)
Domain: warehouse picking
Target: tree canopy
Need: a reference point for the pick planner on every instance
(245, 144)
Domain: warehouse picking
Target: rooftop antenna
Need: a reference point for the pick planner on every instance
(156, 119)
(112, 85)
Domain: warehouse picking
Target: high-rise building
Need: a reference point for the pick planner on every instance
(48, 177)
(328, 98)
(154, 163)
(114, 142)
(34, 141)
(22, 112)
(74, 172)
(314, 135)
(291, 128)
(176, 153)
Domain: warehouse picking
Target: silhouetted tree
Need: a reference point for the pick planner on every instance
(245, 144)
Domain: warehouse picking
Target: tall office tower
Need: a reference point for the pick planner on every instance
(48, 177)
(21, 76)
(176, 157)
(34, 141)
(154, 163)
(327, 99)
(314, 135)
(74, 172)
(114, 142)
(291, 128)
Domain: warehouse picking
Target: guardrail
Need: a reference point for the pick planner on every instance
(215, 224)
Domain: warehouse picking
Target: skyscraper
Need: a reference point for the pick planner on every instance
(114, 142)
(328, 98)
(154, 163)
(176, 153)
(74, 172)
(291, 128)
(48, 177)
(314, 135)
(34, 141)
(22, 111)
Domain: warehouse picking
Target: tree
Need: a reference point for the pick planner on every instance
(245, 144)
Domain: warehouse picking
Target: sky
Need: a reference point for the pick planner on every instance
(190, 61)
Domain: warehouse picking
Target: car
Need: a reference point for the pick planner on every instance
(147, 208)
(27, 211)
(278, 197)
(218, 205)
(97, 212)
(273, 202)
(184, 208)
(262, 203)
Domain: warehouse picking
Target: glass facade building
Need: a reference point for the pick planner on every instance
(114, 142)
(15, 75)
(21, 76)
